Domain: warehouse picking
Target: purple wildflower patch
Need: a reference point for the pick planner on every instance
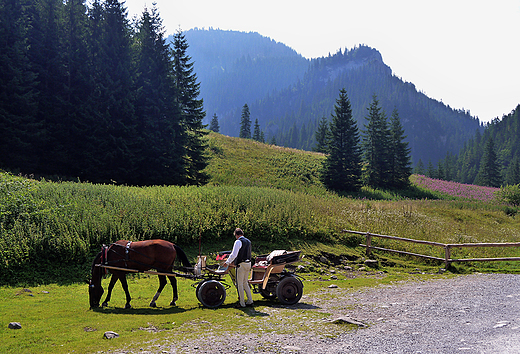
(454, 189)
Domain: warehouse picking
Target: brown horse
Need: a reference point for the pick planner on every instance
(140, 256)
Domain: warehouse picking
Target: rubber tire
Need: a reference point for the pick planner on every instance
(211, 293)
(197, 290)
(289, 290)
(266, 294)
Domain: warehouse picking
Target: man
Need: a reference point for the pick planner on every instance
(241, 258)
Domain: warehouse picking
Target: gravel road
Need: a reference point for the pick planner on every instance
(467, 314)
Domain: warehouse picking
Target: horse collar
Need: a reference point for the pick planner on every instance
(126, 253)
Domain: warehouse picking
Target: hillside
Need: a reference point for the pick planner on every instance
(289, 103)
(235, 68)
(271, 192)
(247, 163)
(505, 135)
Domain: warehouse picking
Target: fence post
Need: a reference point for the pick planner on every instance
(369, 243)
(447, 255)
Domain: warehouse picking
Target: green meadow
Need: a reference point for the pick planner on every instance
(51, 230)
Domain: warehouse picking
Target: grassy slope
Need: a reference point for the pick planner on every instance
(240, 162)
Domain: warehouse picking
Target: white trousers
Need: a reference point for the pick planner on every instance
(242, 284)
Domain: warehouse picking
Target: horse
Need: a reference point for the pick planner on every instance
(138, 256)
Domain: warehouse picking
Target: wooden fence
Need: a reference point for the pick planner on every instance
(447, 248)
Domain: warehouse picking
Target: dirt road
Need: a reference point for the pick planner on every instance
(467, 314)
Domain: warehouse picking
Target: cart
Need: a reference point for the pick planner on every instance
(269, 277)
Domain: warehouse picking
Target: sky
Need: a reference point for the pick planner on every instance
(465, 53)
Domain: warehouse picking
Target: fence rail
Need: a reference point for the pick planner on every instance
(446, 246)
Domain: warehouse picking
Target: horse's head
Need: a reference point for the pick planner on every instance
(94, 293)
(95, 290)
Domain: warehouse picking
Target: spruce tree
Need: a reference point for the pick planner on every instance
(192, 111)
(322, 136)
(419, 168)
(245, 123)
(400, 161)
(160, 133)
(431, 171)
(342, 167)
(78, 120)
(114, 96)
(489, 171)
(45, 37)
(513, 173)
(257, 133)
(376, 147)
(213, 125)
(18, 98)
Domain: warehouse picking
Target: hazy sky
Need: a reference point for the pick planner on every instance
(463, 52)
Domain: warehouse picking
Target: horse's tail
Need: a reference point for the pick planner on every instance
(182, 256)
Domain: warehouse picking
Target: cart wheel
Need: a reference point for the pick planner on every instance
(211, 293)
(289, 291)
(197, 290)
(268, 293)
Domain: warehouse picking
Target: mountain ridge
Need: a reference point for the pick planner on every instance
(289, 94)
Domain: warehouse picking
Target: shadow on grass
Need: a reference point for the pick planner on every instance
(170, 310)
(412, 192)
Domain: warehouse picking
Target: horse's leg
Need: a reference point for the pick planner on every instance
(125, 288)
(162, 284)
(113, 281)
(173, 280)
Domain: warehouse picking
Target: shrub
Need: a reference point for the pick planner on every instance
(510, 194)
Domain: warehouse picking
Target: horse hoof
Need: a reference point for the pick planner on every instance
(128, 306)
(152, 304)
(105, 304)
(173, 303)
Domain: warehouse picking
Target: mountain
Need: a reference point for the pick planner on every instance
(235, 68)
(289, 94)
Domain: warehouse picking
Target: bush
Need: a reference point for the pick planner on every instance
(510, 194)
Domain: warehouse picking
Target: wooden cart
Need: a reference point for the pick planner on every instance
(269, 277)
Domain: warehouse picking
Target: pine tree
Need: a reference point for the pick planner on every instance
(342, 167)
(322, 136)
(489, 171)
(431, 171)
(376, 147)
(77, 102)
(257, 133)
(45, 37)
(114, 137)
(419, 168)
(400, 161)
(513, 173)
(245, 123)
(18, 99)
(192, 111)
(160, 133)
(213, 125)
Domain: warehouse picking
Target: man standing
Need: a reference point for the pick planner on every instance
(241, 258)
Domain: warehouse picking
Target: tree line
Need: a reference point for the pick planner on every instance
(491, 158)
(379, 158)
(87, 93)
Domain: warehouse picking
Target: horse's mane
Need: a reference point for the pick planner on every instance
(182, 256)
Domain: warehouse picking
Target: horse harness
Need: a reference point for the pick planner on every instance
(124, 257)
